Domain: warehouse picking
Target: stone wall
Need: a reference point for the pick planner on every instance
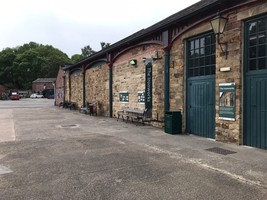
(59, 93)
(131, 78)
(97, 88)
(67, 86)
(232, 131)
(76, 93)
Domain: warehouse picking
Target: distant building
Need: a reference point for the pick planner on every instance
(41, 84)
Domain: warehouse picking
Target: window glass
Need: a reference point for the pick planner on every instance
(257, 46)
(202, 56)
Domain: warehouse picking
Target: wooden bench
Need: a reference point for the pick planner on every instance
(70, 105)
(135, 115)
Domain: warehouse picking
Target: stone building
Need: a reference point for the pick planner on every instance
(41, 84)
(185, 63)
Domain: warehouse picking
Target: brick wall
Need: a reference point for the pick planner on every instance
(39, 87)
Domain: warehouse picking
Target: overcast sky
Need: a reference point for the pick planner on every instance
(72, 24)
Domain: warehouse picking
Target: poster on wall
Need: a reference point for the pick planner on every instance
(124, 96)
(141, 97)
(227, 101)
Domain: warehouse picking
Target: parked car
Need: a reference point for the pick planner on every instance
(14, 97)
(36, 96)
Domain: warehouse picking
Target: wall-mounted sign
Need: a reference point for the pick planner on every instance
(141, 97)
(124, 96)
(227, 101)
(148, 93)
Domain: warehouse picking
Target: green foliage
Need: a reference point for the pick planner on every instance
(104, 45)
(22, 65)
(87, 51)
(75, 58)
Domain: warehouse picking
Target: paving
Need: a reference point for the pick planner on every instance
(48, 152)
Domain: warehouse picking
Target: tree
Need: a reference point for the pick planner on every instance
(7, 57)
(22, 65)
(76, 58)
(104, 45)
(87, 51)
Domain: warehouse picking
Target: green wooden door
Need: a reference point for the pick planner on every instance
(255, 119)
(200, 105)
(256, 111)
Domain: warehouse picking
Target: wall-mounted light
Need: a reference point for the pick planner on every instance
(218, 24)
(133, 62)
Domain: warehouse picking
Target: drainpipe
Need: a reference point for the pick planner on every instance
(64, 88)
(83, 72)
(110, 90)
(166, 39)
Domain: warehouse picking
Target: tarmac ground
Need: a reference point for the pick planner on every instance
(52, 153)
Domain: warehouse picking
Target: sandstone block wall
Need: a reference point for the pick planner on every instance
(97, 88)
(76, 93)
(131, 78)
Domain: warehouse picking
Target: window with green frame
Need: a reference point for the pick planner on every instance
(201, 55)
(124, 96)
(257, 44)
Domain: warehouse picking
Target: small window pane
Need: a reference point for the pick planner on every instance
(196, 62)
(202, 51)
(190, 63)
(262, 63)
(252, 64)
(196, 44)
(207, 60)
(192, 53)
(262, 25)
(262, 50)
(262, 38)
(191, 72)
(208, 40)
(252, 52)
(252, 40)
(196, 52)
(252, 27)
(191, 45)
(207, 70)
(207, 50)
(202, 61)
(202, 42)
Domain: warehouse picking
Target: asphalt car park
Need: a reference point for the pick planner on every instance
(48, 152)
